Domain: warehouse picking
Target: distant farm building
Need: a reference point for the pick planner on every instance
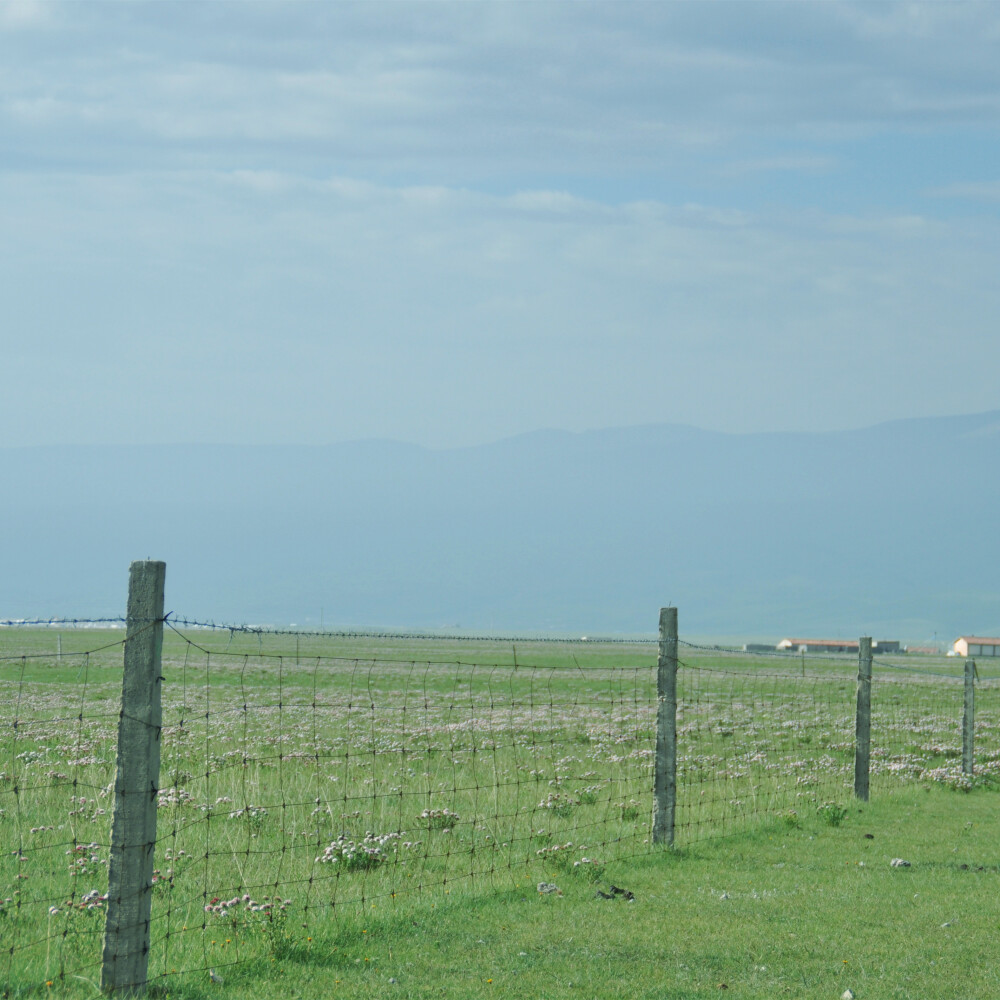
(837, 645)
(972, 645)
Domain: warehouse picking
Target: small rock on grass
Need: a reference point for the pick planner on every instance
(847, 995)
(899, 863)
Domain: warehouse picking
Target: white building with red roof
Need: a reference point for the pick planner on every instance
(974, 645)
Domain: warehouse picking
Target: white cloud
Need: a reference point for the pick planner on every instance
(20, 14)
(334, 220)
(278, 308)
(445, 87)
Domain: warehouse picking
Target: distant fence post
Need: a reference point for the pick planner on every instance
(969, 719)
(137, 771)
(863, 722)
(665, 774)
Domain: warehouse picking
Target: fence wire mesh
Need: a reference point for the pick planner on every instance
(305, 780)
(917, 726)
(760, 738)
(60, 715)
(296, 787)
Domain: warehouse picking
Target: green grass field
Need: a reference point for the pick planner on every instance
(359, 816)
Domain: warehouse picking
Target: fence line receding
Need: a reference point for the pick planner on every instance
(298, 787)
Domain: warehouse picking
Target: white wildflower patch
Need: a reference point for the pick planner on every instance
(563, 857)
(559, 803)
(174, 796)
(246, 904)
(85, 859)
(439, 819)
(249, 812)
(358, 855)
(91, 901)
(629, 810)
(589, 794)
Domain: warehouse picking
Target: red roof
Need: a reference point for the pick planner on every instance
(978, 639)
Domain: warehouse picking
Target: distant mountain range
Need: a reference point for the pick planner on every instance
(891, 530)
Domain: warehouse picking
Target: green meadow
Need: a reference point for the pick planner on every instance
(363, 816)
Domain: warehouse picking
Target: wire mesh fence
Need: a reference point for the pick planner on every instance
(918, 716)
(296, 789)
(306, 780)
(299, 787)
(60, 715)
(759, 738)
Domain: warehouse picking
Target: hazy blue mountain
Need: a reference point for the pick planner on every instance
(890, 530)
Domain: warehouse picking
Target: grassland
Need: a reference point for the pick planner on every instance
(352, 816)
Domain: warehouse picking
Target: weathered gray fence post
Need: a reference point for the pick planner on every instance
(665, 774)
(969, 719)
(863, 723)
(137, 774)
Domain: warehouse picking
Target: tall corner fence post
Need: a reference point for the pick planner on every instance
(665, 772)
(863, 721)
(125, 961)
(969, 720)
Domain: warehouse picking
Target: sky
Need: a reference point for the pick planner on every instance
(450, 223)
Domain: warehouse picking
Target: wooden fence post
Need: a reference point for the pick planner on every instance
(137, 773)
(665, 774)
(969, 719)
(863, 722)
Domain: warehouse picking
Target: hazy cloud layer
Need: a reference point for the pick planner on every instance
(451, 222)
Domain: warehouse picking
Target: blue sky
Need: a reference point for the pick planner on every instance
(450, 223)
